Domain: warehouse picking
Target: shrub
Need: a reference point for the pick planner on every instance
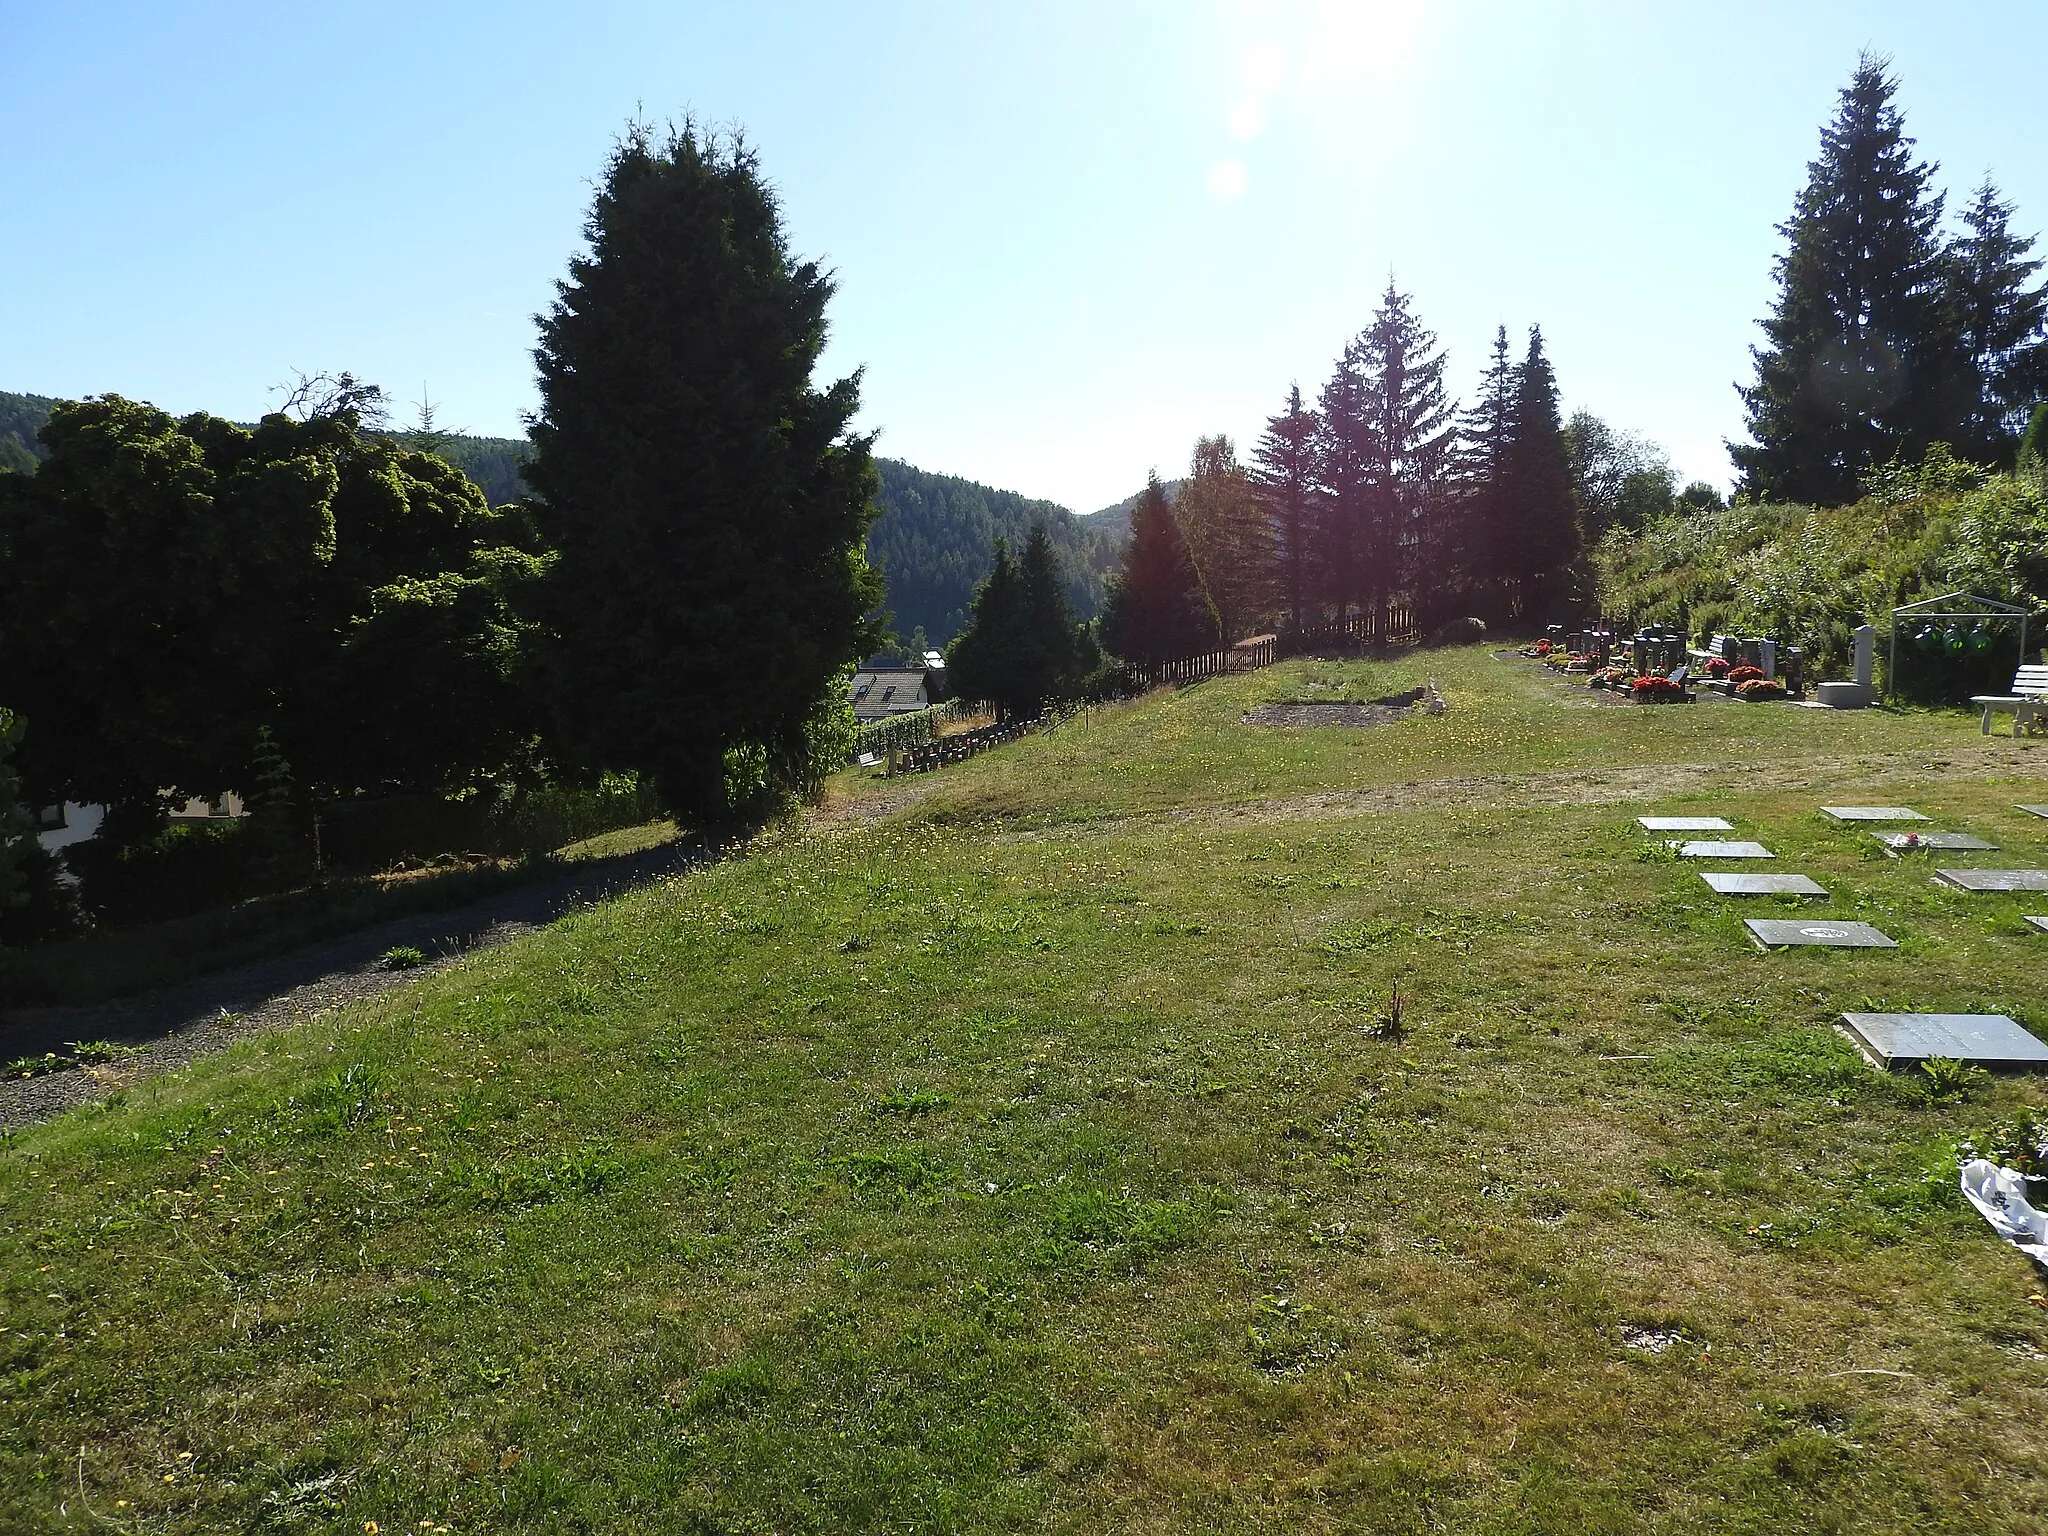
(1459, 632)
(402, 957)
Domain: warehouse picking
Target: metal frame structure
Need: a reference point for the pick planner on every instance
(1941, 608)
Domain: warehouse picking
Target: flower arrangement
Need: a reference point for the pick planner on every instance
(1608, 677)
(1744, 674)
(1542, 647)
(2020, 1144)
(1760, 690)
(1656, 688)
(1717, 666)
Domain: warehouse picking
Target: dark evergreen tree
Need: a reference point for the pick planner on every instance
(1284, 471)
(2002, 321)
(1410, 429)
(1344, 486)
(981, 663)
(1483, 504)
(17, 833)
(1543, 516)
(707, 501)
(1863, 362)
(1156, 611)
(1021, 649)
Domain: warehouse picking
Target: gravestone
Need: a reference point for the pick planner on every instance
(1995, 879)
(1866, 652)
(2039, 922)
(1767, 657)
(2037, 810)
(1771, 932)
(1713, 850)
(1948, 842)
(1684, 824)
(1729, 883)
(1982, 1039)
(1871, 813)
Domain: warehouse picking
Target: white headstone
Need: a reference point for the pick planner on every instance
(1866, 649)
(1767, 652)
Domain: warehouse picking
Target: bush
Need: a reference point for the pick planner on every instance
(1459, 632)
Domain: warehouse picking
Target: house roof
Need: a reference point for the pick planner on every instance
(884, 691)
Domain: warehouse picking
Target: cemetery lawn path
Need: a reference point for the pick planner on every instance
(1032, 1147)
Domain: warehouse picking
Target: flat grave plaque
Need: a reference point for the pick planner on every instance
(1685, 824)
(1947, 842)
(1871, 813)
(1773, 931)
(1711, 850)
(1728, 883)
(1995, 879)
(2038, 810)
(2039, 922)
(1985, 1039)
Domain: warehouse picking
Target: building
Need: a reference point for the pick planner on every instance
(59, 826)
(880, 692)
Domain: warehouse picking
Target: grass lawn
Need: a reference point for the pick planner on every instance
(1023, 1149)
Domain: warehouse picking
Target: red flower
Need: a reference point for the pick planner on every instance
(1745, 674)
(1717, 666)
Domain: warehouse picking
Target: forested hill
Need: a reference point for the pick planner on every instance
(21, 417)
(933, 540)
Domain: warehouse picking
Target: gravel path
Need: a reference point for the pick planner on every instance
(174, 1026)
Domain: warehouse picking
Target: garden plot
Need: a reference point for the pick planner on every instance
(1730, 883)
(1981, 1039)
(1871, 813)
(1685, 824)
(1983, 880)
(1723, 850)
(1778, 933)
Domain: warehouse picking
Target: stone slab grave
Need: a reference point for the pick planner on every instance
(2037, 810)
(1982, 1039)
(1871, 813)
(1713, 850)
(1728, 883)
(2039, 922)
(1771, 932)
(1896, 843)
(1684, 824)
(1994, 879)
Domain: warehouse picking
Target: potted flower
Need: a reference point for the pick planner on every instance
(1759, 689)
(1717, 667)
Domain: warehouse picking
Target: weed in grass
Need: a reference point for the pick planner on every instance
(403, 957)
(1949, 1079)
(910, 1103)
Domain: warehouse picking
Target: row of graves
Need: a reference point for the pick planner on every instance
(2010, 1190)
(1657, 666)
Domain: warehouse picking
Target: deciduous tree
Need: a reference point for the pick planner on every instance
(1228, 538)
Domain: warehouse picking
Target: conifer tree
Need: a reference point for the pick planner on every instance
(1228, 537)
(1156, 611)
(706, 499)
(17, 834)
(1862, 362)
(1482, 487)
(1021, 648)
(1542, 510)
(1050, 663)
(2001, 320)
(1344, 485)
(1410, 429)
(1283, 470)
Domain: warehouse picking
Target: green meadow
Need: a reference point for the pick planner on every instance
(1160, 1124)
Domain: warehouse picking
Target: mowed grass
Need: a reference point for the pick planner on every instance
(1029, 1163)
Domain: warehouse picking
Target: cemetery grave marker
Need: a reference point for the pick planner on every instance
(1774, 932)
(1684, 824)
(1871, 813)
(2038, 810)
(1994, 879)
(1729, 883)
(1982, 1039)
(2039, 922)
(1896, 843)
(1713, 850)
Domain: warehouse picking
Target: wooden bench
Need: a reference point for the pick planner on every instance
(2027, 703)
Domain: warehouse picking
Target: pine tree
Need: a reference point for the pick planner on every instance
(2001, 320)
(1544, 536)
(1283, 470)
(1021, 649)
(1343, 483)
(1410, 432)
(1228, 537)
(1156, 611)
(981, 663)
(1863, 360)
(705, 498)
(1482, 509)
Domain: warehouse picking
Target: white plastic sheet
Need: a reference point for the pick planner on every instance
(2000, 1197)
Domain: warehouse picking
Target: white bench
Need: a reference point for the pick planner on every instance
(2027, 703)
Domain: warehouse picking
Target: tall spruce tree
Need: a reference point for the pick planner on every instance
(1542, 510)
(1410, 430)
(1228, 537)
(1021, 649)
(1863, 361)
(1344, 488)
(705, 498)
(1156, 611)
(1284, 472)
(1482, 487)
(17, 833)
(2001, 319)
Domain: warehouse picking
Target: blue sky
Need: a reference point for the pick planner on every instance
(1069, 237)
